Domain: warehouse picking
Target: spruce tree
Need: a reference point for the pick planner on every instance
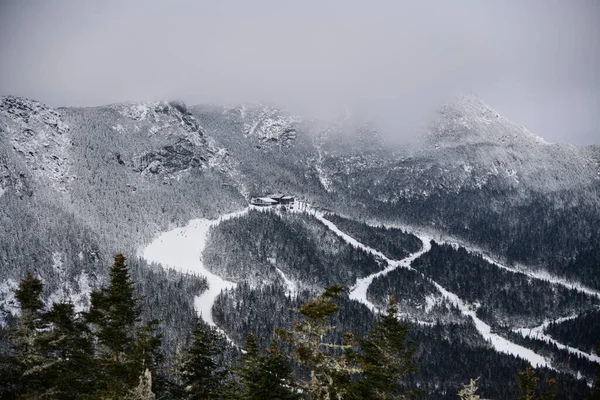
(528, 383)
(202, 377)
(386, 357)
(266, 376)
(30, 359)
(249, 369)
(330, 371)
(10, 368)
(115, 311)
(69, 345)
(124, 347)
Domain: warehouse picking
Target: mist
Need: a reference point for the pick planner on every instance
(535, 62)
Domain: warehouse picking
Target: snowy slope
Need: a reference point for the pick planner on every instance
(359, 293)
(181, 249)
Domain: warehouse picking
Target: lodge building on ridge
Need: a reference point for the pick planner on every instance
(273, 200)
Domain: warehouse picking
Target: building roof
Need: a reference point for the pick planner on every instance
(266, 200)
(275, 196)
(287, 197)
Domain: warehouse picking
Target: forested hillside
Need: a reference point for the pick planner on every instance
(251, 248)
(78, 185)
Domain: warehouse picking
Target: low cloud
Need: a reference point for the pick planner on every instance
(536, 62)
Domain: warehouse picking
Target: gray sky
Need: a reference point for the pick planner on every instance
(536, 62)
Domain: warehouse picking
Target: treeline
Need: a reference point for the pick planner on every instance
(109, 352)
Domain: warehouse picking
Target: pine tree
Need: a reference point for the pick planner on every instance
(528, 383)
(10, 368)
(30, 359)
(115, 311)
(469, 391)
(330, 374)
(124, 347)
(386, 357)
(202, 377)
(69, 345)
(266, 376)
(248, 371)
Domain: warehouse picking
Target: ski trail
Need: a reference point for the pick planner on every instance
(181, 249)
(534, 274)
(359, 293)
(538, 333)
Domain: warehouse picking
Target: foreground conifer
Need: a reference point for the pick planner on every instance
(202, 377)
(386, 357)
(266, 376)
(125, 348)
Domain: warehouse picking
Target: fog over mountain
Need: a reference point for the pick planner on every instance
(243, 156)
(535, 61)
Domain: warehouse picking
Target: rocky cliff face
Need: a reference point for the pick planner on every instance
(39, 138)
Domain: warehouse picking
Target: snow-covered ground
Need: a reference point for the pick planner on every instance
(291, 288)
(359, 293)
(538, 333)
(539, 274)
(181, 249)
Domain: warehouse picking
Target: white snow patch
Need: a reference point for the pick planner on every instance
(181, 249)
(430, 302)
(8, 302)
(323, 178)
(291, 288)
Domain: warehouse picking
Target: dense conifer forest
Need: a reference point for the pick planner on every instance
(516, 299)
(111, 351)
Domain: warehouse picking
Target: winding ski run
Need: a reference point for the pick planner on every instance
(359, 293)
(181, 249)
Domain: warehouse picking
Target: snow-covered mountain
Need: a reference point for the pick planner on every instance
(79, 184)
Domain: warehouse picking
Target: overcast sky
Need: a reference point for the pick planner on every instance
(536, 62)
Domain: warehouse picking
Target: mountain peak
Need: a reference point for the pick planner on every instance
(469, 120)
